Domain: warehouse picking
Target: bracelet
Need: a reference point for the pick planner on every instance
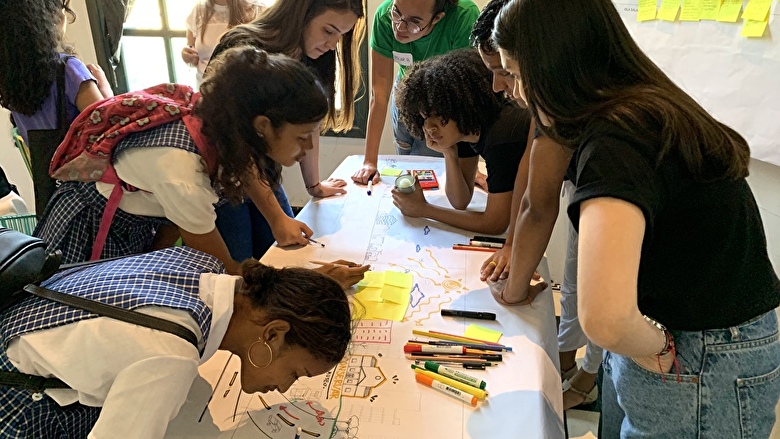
(668, 339)
(308, 188)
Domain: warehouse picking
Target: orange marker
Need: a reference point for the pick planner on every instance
(430, 382)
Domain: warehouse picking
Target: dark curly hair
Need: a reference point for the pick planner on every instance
(315, 306)
(455, 86)
(245, 83)
(30, 44)
(482, 34)
(443, 5)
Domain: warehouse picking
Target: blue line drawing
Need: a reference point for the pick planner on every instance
(417, 248)
(427, 230)
(416, 296)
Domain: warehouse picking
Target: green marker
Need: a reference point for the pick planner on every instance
(455, 374)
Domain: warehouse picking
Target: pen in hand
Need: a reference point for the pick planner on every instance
(311, 241)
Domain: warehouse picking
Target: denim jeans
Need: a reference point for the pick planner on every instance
(405, 142)
(728, 387)
(245, 230)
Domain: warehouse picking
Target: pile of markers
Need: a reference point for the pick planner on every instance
(436, 363)
(481, 243)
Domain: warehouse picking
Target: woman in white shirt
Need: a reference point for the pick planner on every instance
(128, 381)
(207, 22)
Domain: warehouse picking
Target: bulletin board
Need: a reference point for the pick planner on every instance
(735, 78)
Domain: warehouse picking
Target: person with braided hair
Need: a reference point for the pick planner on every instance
(129, 381)
(448, 101)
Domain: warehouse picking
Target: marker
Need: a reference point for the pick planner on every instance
(468, 314)
(298, 434)
(453, 337)
(456, 343)
(485, 244)
(370, 186)
(315, 242)
(468, 357)
(473, 248)
(443, 388)
(432, 349)
(470, 365)
(489, 239)
(455, 375)
(452, 358)
(479, 393)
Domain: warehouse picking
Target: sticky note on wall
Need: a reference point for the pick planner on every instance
(647, 9)
(729, 10)
(757, 10)
(691, 10)
(668, 10)
(710, 9)
(755, 28)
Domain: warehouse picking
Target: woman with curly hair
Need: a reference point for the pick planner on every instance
(129, 381)
(42, 83)
(257, 110)
(324, 35)
(407, 32)
(675, 280)
(448, 101)
(208, 20)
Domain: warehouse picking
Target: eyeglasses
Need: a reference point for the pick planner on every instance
(398, 20)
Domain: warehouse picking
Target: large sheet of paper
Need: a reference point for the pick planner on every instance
(372, 393)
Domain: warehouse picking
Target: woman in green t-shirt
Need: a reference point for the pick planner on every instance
(405, 32)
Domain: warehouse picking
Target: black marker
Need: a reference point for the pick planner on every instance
(468, 314)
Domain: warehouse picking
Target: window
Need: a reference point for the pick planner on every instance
(153, 36)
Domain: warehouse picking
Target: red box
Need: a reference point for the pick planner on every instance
(427, 178)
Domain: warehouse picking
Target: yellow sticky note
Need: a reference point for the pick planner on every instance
(369, 294)
(397, 279)
(385, 311)
(729, 11)
(755, 28)
(647, 9)
(374, 279)
(756, 10)
(391, 172)
(691, 10)
(395, 294)
(668, 10)
(482, 333)
(710, 9)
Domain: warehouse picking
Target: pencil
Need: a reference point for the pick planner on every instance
(473, 248)
(315, 242)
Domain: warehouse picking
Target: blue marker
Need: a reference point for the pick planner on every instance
(370, 186)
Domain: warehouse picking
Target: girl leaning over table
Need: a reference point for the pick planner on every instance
(128, 381)
(257, 111)
(674, 279)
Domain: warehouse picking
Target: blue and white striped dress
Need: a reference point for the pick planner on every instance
(166, 278)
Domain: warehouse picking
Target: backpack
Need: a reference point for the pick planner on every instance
(86, 154)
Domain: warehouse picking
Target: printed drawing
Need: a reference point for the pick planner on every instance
(373, 331)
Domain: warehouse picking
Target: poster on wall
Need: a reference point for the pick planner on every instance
(735, 78)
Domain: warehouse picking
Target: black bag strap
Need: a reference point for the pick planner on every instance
(114, 312)
(62, 98)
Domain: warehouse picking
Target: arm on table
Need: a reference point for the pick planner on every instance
(536, 217)
(310, 171)
(286, 230)
(381, 86)
(611, 232)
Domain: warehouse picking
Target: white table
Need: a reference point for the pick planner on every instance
(372, 394)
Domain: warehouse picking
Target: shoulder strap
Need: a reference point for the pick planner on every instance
(62, 98)
(114, 312)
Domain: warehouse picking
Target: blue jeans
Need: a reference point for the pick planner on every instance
(729, 386)
(405, 142)
(245, 230)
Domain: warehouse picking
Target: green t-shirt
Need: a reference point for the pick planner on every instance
(452, 32)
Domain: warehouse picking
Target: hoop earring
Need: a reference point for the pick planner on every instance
(249, 354)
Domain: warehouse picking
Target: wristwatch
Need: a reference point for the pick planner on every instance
(668, 339)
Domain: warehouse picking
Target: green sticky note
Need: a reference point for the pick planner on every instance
(647, 9)
(395, 294)
(691, 10)
(397, 279)
(668, 10)
(482, 333)
(729, 11)
(373, 279)
(754, 28)
(756, 10)
(710, 9)
(391, 172)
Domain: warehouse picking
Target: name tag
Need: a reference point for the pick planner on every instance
(404, 59)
